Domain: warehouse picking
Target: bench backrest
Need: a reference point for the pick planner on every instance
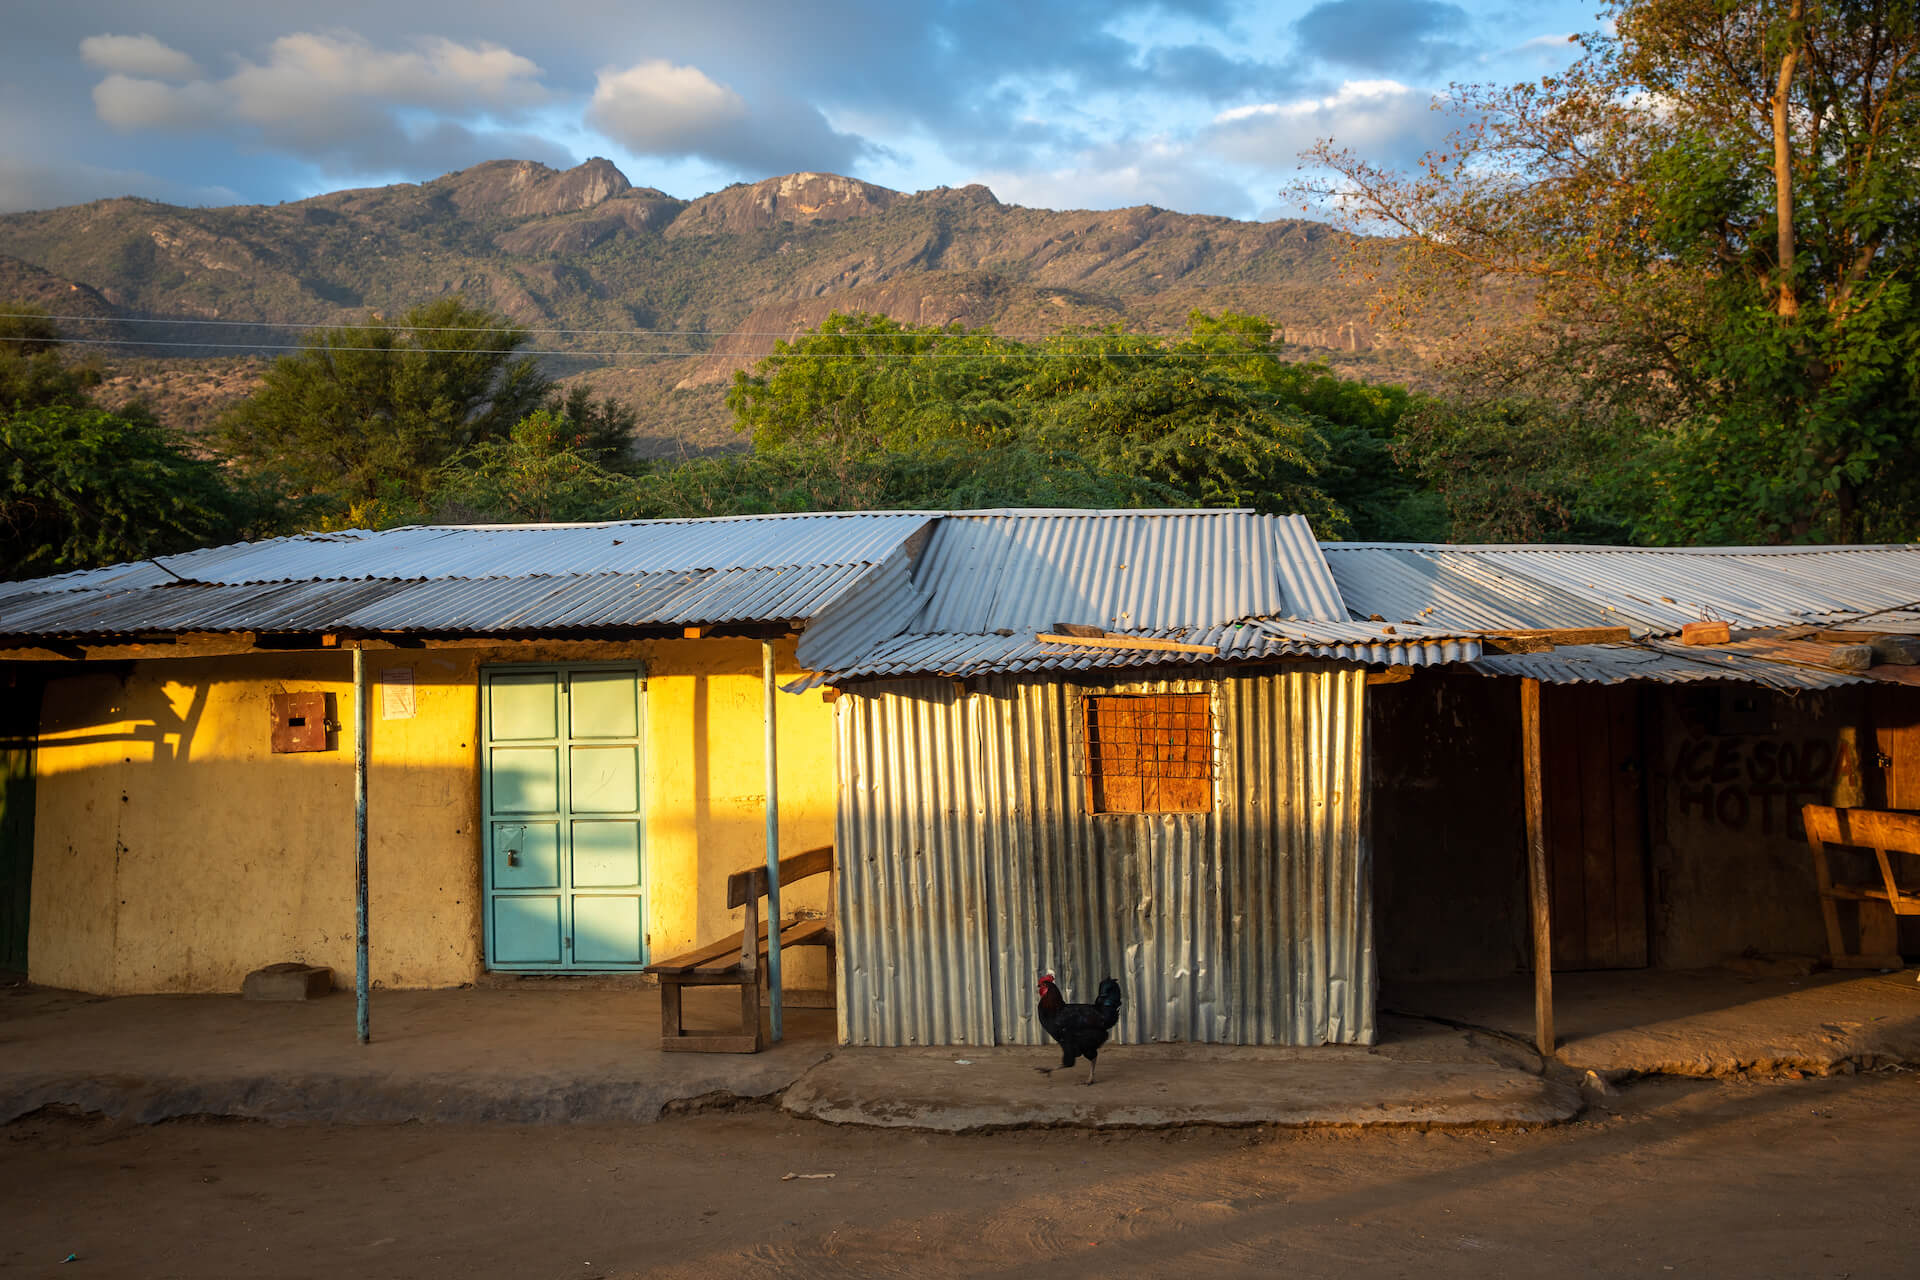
(1863, 828)
(746, 886)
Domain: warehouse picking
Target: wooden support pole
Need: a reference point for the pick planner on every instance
(362, 1021)
(1537, 867)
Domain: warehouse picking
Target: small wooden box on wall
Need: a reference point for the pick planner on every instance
(301, 721)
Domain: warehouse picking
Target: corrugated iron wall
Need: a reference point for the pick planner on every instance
(969, 862)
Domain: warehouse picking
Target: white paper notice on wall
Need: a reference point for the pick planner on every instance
(396, 693)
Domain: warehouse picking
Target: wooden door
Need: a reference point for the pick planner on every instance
(1595, 822)
(1892, 770)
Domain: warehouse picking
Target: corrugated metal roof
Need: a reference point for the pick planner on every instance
(988, 581)
(1127, 570)
(445, 605)
(959, 655)
(1652, 591)
(510, 551)
(1658, 662)
(478, 579)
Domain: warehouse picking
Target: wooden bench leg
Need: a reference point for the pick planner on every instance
(750, 1014)
(671, 1025)
(1879, 930)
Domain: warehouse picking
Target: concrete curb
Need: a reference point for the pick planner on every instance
(986, 1090)
(340, 1099)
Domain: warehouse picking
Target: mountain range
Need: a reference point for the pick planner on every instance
(653, 298)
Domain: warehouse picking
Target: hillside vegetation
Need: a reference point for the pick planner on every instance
(721, 277)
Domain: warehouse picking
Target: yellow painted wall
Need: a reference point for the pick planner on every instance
(174, 851)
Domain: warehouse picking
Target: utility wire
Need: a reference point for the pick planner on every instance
(655, 333)
(685, 355)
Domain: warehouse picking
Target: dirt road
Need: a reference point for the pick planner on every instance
(1801, 1178)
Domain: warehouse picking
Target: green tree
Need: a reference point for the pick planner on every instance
(33, 371)
(81, 487)
(1715, 211)
(368, 410)
(601, 430)
(1212, 417)
(542, 472)
(869, 383)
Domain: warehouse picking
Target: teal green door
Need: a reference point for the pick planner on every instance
(565, 865)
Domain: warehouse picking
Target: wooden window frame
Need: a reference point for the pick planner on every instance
(1166, 776)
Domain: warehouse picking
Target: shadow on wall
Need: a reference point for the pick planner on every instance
(177, 851)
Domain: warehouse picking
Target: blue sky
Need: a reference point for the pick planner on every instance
(1197, 105)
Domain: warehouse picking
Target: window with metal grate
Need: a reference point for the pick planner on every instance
(1150, 753)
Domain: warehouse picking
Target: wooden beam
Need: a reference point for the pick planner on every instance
(1537, 867)
(1125, 642)
(1539, 640)
(1705, 633)
(1392, 675)
(694, 633)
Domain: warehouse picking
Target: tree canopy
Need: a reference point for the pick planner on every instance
(82, 486)
(1212, 417)
(1715, 211)
(379, 407)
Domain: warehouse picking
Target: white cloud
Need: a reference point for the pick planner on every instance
(661, 109)
(1384, 120)
(1164, 173)
(141, 56)
(338, 100)
(657, 108)
(307, 74)
(127, 102)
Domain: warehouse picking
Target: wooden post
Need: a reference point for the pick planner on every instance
(1537, 867)
(362, 1022)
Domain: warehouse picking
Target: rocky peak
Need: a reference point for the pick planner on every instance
(797, 197)
(526, 189)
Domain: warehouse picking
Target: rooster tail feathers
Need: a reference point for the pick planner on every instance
(1109, 997)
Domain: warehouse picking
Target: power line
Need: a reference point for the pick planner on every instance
(652, 333)
(1095, 354)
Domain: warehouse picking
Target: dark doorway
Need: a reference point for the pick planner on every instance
(1591, 765)
(19, 725)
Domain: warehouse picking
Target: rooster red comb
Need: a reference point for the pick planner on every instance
(1046, 979)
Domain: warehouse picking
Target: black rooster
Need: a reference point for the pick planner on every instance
(1080, 1028)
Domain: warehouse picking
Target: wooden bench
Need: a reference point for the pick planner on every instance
(739, 959)
(1880, 905)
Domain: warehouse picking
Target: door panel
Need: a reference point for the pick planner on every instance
(523, 706)
(526, 855)
(526, 929)
(605, 779)
(565, 868)
(607, 930)
(605, 704)
(1596, 848)
(526, 780)
(606, 854)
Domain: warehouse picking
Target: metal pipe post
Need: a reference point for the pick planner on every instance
(773, 847)
(361, 1011)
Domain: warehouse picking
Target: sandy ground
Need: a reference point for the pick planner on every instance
(1817, 1177)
